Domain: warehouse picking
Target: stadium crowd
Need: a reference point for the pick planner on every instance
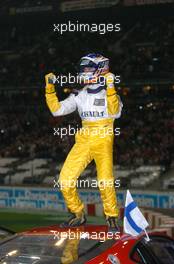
(40, 49)
(146, 132)
(27, 128)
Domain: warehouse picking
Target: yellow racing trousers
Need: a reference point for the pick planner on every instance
(93, 141)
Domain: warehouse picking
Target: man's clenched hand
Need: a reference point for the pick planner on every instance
(50, 80)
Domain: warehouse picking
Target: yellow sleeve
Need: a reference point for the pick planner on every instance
(114, 104)
(51, 98)
(57, 108)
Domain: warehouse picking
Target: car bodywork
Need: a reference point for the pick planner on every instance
(91, 244)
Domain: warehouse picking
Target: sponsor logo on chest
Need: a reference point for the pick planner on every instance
(92, 114)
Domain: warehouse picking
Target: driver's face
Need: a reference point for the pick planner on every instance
(89, 69)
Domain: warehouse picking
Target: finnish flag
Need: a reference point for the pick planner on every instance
(134, 221)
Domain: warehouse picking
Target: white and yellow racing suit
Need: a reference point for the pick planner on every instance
(97, 106)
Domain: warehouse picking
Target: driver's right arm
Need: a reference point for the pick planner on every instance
(57, 108)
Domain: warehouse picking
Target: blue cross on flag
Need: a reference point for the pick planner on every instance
(134, 221)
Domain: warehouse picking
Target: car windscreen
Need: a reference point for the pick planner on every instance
(158, 250)
(163, 249)
(43, 249)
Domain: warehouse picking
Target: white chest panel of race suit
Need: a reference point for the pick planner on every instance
(91, 105)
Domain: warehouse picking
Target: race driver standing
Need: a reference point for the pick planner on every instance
(98, 106)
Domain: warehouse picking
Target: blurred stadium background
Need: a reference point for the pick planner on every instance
(31, 156)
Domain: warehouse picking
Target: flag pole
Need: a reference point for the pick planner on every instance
(147, 236)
